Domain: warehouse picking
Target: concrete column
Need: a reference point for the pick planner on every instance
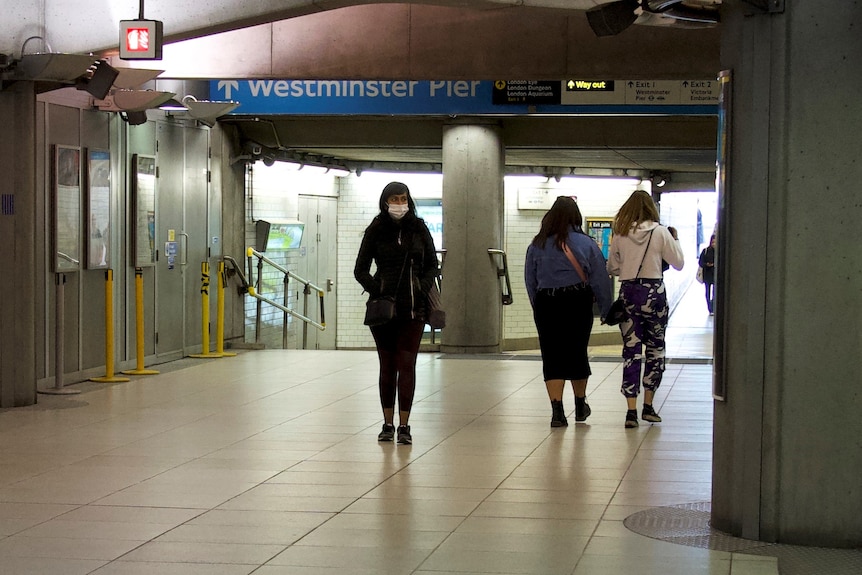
(473, 162)
(787, 451)
(18, 238)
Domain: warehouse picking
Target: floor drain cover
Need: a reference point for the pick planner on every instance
(688, 524)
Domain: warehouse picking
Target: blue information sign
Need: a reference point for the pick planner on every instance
(420, 97)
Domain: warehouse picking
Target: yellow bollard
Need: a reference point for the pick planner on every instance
(109, 376)
(139, 326)
(205, 313)
(222, 282)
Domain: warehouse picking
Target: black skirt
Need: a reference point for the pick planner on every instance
(564, 320)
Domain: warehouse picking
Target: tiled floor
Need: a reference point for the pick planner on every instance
(268, 463)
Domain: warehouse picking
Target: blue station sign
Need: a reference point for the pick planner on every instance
(465, 97)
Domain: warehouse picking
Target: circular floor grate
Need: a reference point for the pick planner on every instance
(688, 524)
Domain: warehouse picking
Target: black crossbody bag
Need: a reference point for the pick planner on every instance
(617, 314)
(380, 310)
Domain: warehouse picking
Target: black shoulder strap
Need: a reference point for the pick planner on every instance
(645, 253)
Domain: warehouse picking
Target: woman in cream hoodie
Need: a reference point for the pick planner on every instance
(638, 249)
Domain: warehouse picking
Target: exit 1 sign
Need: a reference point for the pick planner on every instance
(140, 40)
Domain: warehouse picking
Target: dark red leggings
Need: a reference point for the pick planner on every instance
(397, 347)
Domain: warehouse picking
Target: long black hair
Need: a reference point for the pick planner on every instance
(563, 217)
(395, 189)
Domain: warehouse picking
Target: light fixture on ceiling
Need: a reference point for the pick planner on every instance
(659, 5)
(308, 169)
(132, 100)
(207, 110)
(658, 180)
(173, 105)
(705, 17)
(65, 68)
(131, 78)
(611, 18)
(52, 68)
(680, 11)
(338, 172)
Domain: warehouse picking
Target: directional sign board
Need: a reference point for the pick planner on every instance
(530, 92)
(640, 92)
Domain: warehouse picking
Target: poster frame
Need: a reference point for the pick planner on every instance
(143, 177)
(98, 201)
(66, 235)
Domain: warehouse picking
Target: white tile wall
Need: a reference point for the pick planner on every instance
(357, 206)
(595, 199)
(276, 191)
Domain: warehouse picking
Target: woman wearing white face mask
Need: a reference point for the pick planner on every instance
(400, 245)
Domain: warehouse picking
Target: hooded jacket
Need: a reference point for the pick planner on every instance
(626, 252)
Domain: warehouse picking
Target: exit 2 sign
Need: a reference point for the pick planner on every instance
(140, 40)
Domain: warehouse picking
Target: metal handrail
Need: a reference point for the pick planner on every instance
(503, 272)
(307, 288)
(237, 269)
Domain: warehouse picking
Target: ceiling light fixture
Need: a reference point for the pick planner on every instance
(132, 100)
(173, 105)
(52, 68)
(131, 78)
(308, 169)
(206, 109)
(658, 180)
(338, 172)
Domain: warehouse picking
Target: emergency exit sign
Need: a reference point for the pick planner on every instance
(140, 40)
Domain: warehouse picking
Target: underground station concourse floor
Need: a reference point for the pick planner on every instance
(268, 463)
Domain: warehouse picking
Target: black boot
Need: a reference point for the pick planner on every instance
(558, 417)
(649, 414)
(582, 410)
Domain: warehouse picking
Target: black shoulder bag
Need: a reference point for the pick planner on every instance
(380, 310)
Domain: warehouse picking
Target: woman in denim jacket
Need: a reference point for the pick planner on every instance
(562, 297)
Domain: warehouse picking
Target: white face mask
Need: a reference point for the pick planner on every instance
(397, 211)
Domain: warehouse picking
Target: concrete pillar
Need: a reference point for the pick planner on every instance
(787, 451)
(473, 162)
(18, 238)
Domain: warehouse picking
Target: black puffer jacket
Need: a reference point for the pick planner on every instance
(402, 250)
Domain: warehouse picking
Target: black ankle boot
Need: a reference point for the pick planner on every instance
(582, 410)
(558, 416)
